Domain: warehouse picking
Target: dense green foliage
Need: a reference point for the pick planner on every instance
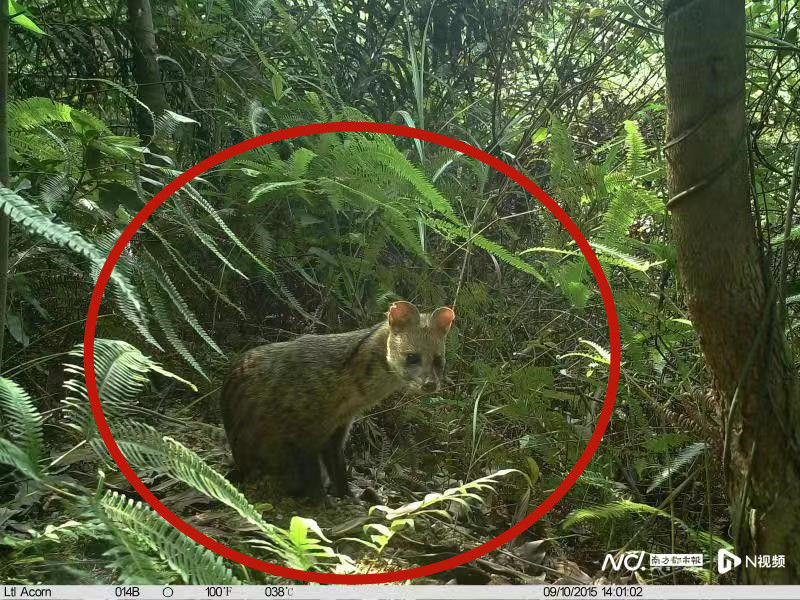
(319, 234)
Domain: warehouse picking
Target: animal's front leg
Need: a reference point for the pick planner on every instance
(333, 457)
(306, 478)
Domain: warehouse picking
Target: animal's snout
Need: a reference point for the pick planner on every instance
(430, 385)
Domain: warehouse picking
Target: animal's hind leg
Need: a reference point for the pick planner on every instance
(243, 467)
(306, 475)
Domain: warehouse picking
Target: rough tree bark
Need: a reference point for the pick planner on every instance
(145, 66)
(728, 291)
(5, 24)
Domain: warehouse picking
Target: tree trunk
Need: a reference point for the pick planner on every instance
(5, 24)
(728, 292)
(145, 66)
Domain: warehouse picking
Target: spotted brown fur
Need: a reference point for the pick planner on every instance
(288, 407)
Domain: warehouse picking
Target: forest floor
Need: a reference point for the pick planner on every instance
(382, 475)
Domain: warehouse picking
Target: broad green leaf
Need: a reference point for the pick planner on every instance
(21, 19)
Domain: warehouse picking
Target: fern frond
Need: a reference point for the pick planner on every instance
(459, 231)
(458, 494)
(14, 456)
(192, 562)
(22, 421)
(318, 107)
(684, 458)
(206, 240)
(298, 163)
(562, 154)
(264, 189)
(628, 202)
(350, 113)
(68, 153)
(570, 278)
(601, 355)
(264, 241)
(610, 512)
(619, 510)
(54, 189)
(620, 215)
(618, 258)
(254, 112)
(395, 219)
(35, 112)
(203, 203)
(187, 269)
(635, 149)
(382, 153)
(197, 280)
(129, 94)
(127, 267)
(167, 124)
(259, 161)
(31, 219)
(174, 295)
(121, 372)
(147, 450)
(24, 144)
(164, 319)
(275, 283)
(131, 562)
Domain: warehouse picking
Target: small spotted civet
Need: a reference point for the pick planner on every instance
(288, 407)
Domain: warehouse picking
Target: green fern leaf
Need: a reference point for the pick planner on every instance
(31, 219)
(264, 189)
(131, 561)
(35, 112)
(127, 267)
(570, 279)
(299, 162)
(121, 372)
(616, 511)
(206, 240)
(192, 562)
(610, 512)
(684, 458)
(22, 420)
(635, 149)
(396, 220)
(459, 231)
(612, 256)
(174, 295)
(366, 157)
(164, 319)
(562, 154)
(203, 203)
(14, 456)
(147, 450)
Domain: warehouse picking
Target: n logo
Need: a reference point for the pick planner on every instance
(726, 561)
(632, 561)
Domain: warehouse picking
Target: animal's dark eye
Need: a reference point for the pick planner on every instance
(413, 358)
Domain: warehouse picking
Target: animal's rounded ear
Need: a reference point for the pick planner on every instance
(402, 314)
(442, 318)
